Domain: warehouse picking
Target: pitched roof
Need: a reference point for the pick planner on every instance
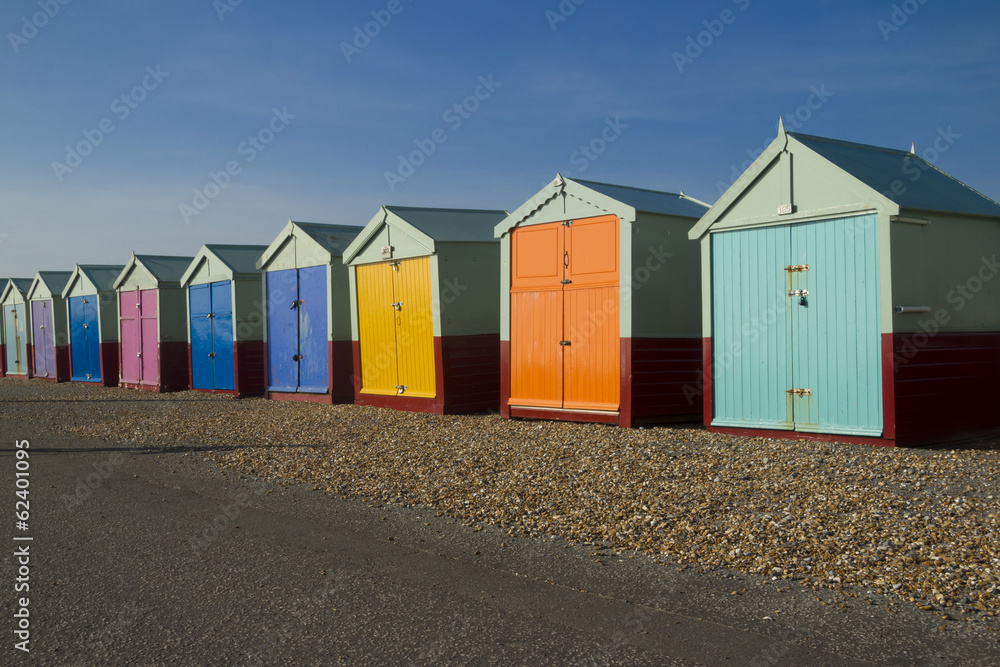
(649, 201)
(55, 281)
(22, 285)
(166, 269)
(451, 224)
(103, 276)
(333, 238)
(926, 187)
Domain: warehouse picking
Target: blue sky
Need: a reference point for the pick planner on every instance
(201, 77)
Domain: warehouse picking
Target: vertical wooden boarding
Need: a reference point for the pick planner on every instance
(538, 258)
(836, 328)
(131, 349)
(414, 327)
(149, 337)
(200, 304)
(377, 329)
(751, 344)
(592, 359)
(224, 359)
(314, 337)
(282, 330)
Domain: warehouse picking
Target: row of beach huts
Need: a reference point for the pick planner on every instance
(836, 291)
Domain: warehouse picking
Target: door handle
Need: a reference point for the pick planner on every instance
(398, 305)
(566, 259)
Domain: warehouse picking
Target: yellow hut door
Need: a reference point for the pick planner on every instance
(396, 328)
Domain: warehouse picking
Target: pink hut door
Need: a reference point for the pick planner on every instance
(150, 337)
(131, 341)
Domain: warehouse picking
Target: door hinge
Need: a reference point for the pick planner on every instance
(567, 282)
(398, 305)
(400, 388)
(800, 392)
(797, 268)
(565, 343)
(798, 292)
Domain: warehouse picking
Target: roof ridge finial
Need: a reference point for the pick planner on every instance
(781, 125)
(913, 148)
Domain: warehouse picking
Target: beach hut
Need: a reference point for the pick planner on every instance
(152, 316)
(600, 311)
(850, 295)
(307, 314)
(49, 327)
(425, 310)
(16, 327)
(92, 312)
(226, 320)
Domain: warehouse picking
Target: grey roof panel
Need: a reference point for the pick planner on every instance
(451, 224)
(649, 201)
(103, 276)
(165, 268)
(55, 280)
(927, 187)
(334, 238)
(240, 258)
(22, 285)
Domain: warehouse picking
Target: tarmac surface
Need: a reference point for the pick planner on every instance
(157, 556)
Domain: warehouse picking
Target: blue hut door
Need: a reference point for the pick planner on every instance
(796, 334)
(297, 340)
(85, 342)
(314, 350)
(212, 360)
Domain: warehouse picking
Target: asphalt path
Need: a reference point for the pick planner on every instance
(153, 557)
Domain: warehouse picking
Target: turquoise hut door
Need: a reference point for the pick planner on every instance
(796, 333)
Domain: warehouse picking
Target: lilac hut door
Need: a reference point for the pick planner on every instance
(42, 338)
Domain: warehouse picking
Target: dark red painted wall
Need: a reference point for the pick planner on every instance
(109, 364)
(342, 361)
(945, 386)
(62, 363)
(469, 372)
(174, 367)
(662, 369)
(251, 374)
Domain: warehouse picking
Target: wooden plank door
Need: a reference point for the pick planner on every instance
(200, 305)
(149, 336)
(43, 343)
(16, 338)
(131, 348)
(751, 329)
(282, 330)
(314, 337)
(592, 361)
(223, 352)
(377, 329)
(538, 265)
(836, 327)
(414, 323)
(85, 342)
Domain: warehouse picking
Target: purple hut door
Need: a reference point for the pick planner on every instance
(130, 344)
(42, 339)
(150, 338)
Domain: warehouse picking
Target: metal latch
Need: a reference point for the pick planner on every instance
(85, 301)
(567, 223)
(297, 357)
(797, 268)
(86, 326)
(394, 265)
(800, 392)
(398, 305)
(565, 343)
(138, 354)
(296, 304)
(210, 315)
(88, 376)
(567, 282)
(400, 388)
(798, 292)
(211, 355)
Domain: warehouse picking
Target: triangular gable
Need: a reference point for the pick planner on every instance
(92, 279)
(322, 242)
(224, 262)
(17, 288)
(380, 231)
(768, 174)
(48, 284)
(161, 270)
(561, 199)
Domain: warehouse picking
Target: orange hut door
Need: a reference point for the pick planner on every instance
(564, 315)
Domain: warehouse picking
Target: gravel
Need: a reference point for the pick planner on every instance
(919, 525)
